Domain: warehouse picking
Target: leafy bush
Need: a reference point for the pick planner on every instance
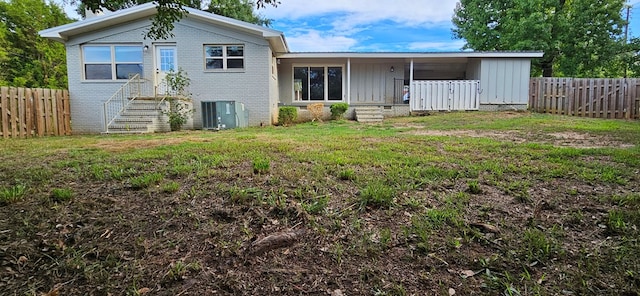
(338, 109)
(178, 82)
(287, 115)
(178, 113)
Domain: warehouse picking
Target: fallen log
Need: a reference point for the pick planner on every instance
(486, 227)
(274, 241)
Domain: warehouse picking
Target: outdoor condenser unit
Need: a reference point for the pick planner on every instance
(218, 115)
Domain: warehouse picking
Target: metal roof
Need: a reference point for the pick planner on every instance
(450, 54)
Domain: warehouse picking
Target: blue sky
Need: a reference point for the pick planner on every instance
(373, 25)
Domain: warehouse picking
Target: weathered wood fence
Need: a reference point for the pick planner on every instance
(586, 97)
(26, 112)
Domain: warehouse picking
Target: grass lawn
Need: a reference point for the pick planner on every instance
(472, 202)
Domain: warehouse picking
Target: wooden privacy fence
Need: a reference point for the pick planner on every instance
(586, 97)
(26, 112)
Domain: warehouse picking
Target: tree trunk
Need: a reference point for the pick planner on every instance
(547, 66)
(547, 70)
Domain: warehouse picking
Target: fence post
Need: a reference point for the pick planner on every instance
(39, 109)
(4, 118)
(28, 110)
(532, 94)
(20, 120)
(632, 96)
(67, 113)
(13, 107)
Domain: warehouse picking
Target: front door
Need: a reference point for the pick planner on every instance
(166, 61)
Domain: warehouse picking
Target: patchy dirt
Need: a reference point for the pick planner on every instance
(467, 224)
(564, 139)
(119, 144)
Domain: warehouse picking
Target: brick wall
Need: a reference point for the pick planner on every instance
(250, 87)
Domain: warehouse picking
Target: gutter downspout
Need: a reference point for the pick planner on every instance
(349, 81)
(412, 94)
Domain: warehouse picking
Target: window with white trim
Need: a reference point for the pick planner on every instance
(111, 62)
(223, 57)
(317, 83)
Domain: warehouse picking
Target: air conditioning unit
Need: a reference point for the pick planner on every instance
(218, 115)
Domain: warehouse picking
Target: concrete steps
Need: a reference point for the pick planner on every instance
(142, 105)
(369, 114)
(140, 116)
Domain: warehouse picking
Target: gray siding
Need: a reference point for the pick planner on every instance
(504, 81)
(273, 87)
(371, 79)
(248, 87)
(285, 81)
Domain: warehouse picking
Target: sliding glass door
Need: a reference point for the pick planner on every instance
(315, 83)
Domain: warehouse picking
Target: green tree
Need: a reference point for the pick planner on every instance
(237, 9)
(632, 57)
(578, 37)
(4, 46)
(27, 59)
(169, 11)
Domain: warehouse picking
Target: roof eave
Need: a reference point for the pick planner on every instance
(462, 54)
(275, 38)
(278, 44)
(52, 35)
(62, 33)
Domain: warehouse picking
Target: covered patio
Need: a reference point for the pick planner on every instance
(436, 81)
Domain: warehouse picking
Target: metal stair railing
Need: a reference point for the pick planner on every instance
(134, 88)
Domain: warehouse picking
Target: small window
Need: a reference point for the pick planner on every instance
(111, 62)
(223, 57)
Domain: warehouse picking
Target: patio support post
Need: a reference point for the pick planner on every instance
(349, 81)
(412, 94)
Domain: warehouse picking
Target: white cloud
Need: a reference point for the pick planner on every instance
(362, 12)
(360, 24)
(318, 41)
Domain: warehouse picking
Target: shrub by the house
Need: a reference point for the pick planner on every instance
(287, 115)
(338, 109)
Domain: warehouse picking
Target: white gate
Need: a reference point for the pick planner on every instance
(436, 95)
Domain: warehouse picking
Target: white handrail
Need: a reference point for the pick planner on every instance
(134, 88)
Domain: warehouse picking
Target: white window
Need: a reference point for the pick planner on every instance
(317, 83)
(223, 57)
(111, 62)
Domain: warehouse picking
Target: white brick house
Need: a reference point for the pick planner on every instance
(230, 60)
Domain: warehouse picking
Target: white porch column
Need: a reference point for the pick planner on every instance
(412, 94)
(349, 81)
